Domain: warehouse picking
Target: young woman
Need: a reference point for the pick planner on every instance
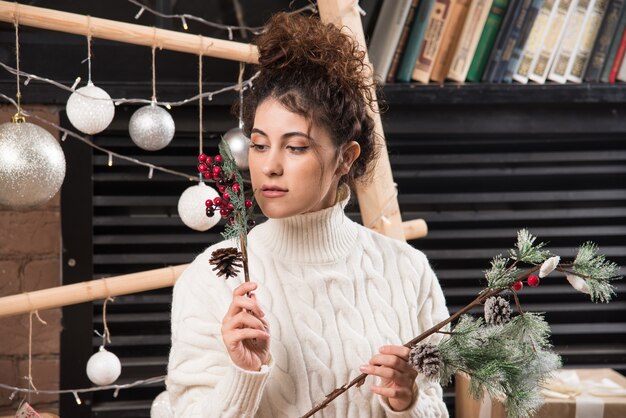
(330, 299)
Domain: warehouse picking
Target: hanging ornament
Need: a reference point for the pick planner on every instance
(151, 127)
(161, 407)
(103, 368)
(90, 109)
(239, 145)
(192, 207)
(32, 164)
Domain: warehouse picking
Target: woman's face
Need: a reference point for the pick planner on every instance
(293, 164)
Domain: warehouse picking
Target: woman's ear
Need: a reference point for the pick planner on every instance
(348, 155)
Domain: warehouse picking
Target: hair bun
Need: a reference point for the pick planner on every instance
(304, 45)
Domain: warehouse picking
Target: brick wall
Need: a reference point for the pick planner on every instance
(30, 260)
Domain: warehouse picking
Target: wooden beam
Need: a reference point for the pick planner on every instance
(377, 199)
(130, 33)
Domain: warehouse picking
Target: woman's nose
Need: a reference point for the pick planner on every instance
(272, 166)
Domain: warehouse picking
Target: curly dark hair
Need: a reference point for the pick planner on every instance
(315, 70)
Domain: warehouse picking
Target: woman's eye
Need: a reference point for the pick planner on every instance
(297, 149)
(257, 147)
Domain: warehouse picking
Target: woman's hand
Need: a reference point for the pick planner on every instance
(397, 376)
(245, 332)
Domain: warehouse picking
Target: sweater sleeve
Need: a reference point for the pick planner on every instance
(202, 381)
(427, 394)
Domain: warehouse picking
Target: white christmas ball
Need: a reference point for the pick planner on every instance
(151, 127)
(90, 109)
(161, 407)
(32, 165)
(239, 145)
(103, 368)
(192, 207)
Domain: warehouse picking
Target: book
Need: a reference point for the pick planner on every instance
(437, 23)
(472, 29)
(450, 40)
(404, 37)
(535, 40)
(554, 34)
(621, 74)
(515, 46)
(386, 35)
(578, 64)
(619, 57)
(603, 40)
(487, 39)
(571, 38)
(612, 51)
(414, 43)
(512, 13)
(371, 9)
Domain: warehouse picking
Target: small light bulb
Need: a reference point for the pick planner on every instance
(110, 160)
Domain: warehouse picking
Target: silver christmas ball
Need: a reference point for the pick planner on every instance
(90, 109)
(103, 368)
(192, 208)
(239, 145)
(161, 407)
(151, 127)
(32, 165)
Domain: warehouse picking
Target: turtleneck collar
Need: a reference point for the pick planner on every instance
(317, 237)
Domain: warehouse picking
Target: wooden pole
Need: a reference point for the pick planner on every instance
(379, 197)
(89, 291)
(130, 33)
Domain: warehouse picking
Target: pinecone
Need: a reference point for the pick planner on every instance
(426, 360)
(497, 311)
(226, 261)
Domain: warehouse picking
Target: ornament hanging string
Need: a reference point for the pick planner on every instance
(200, 93)
(18, 117)
(106, 337)
(89, 48)
(29, 378)
(240, 84)
(154, 99)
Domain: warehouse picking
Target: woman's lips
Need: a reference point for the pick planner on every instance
(273, 193)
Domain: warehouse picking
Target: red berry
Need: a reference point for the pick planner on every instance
(202, 158)
(226, 196)
(231, 220)
(248, 203)
(517, 286)
(224, 203)
(222, 189)
(208, 203)
(202, 167)
(236, 188)
(230, 207)
(224, 213)
(251, 223)
(218, 159)
(207, 175)
(217, 201)
(208, 160)
(217, 170)
(533, 281)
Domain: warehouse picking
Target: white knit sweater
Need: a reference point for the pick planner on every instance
(333, 292)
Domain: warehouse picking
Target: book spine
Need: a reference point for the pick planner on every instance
(619, 56)
(474, 24)
(615, 41)
(621, 74)
(535, 38)
(573, 33)
(515, 45)
(578, 64)
(406, 29)
(603, 41)
(554, 35)
(504, 34)
(415, 41)
(451, 36)
(386, 35)
(487, 40)
(432, 40)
